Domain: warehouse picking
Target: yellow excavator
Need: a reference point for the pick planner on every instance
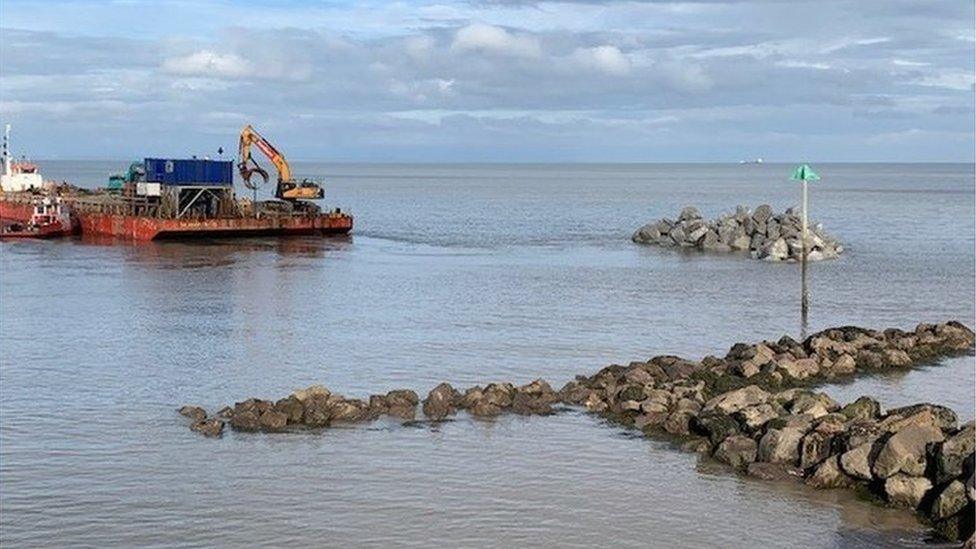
(288, 188)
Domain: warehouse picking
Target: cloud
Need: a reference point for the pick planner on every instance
(209, 64)
(491, 39)
(472, 80)
(608, 59)
(962, 81)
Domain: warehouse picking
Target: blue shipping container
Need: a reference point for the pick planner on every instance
(173, 171)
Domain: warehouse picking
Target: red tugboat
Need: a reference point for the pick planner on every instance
(50, 218)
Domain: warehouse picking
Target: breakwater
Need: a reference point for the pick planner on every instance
(764, 234)
(753, 409)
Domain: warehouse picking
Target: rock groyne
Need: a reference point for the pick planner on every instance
(752, 409)
(764, 234)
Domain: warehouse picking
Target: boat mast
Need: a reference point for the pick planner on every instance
(6, 150)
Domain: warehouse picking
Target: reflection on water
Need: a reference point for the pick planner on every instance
(466, 274)
(218, 251)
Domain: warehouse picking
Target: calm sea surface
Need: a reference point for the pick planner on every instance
(464, 274)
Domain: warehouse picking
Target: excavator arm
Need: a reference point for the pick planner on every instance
(246, 164)
(287, 188)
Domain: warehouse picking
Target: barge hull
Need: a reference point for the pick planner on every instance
(150, 228)
(147, 228)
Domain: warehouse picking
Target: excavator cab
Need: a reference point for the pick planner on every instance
(300, 190)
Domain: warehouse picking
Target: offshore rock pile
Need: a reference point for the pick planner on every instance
(767, 236)
(751, 409)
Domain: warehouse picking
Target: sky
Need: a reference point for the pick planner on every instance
(493, 80)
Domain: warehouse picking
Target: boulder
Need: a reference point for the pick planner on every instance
(313, 390)
(950, 501)
(843, 365)
(862, 408)
(273, 421)
(713, 243)
(814, 448)
(440, 402)
(800, 368)
(829, 475)
(896, 358)
(831, 424)
(774, 250)
(814, 404)
(856, 462)
(245, 420)
(679, 422)
(573, 393)
(869, 360)
(529, 404)
(861, 431)
(741, 242)
(953, 452)
(318, 411)
(733, 401)
(892, 423)
(485, 408)
(193, 413)
(737, 451)
(647, 233)
(944, 417)
(780, 446)
(800, 422)
(402, 403)
(677, 234)
(349, 410)
(698, 233)
(653, 405)
(499, 394)
(539, 390)
(754, 417)
(594, 403)
(293, 409)
(689, 213)
(211, 427)
(689, 405)
(905, 451)
(905, 490)
(715, 425)
(762, 213)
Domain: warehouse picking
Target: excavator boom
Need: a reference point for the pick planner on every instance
(287, 188)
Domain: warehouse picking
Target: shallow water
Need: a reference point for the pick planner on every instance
(464, 274)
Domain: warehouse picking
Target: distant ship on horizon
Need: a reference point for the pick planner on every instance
(756, 161)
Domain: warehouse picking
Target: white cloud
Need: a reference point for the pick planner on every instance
(963, 81)
(794, 64)
(209, 64)
(909, 63)
(488, 38)
(608, 59)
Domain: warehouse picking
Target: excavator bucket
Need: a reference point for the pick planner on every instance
(247, 171)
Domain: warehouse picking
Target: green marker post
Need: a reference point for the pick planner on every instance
(803, 174)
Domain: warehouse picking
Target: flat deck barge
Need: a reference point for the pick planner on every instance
(104, 214)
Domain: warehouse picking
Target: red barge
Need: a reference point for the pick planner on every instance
(106, 215)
